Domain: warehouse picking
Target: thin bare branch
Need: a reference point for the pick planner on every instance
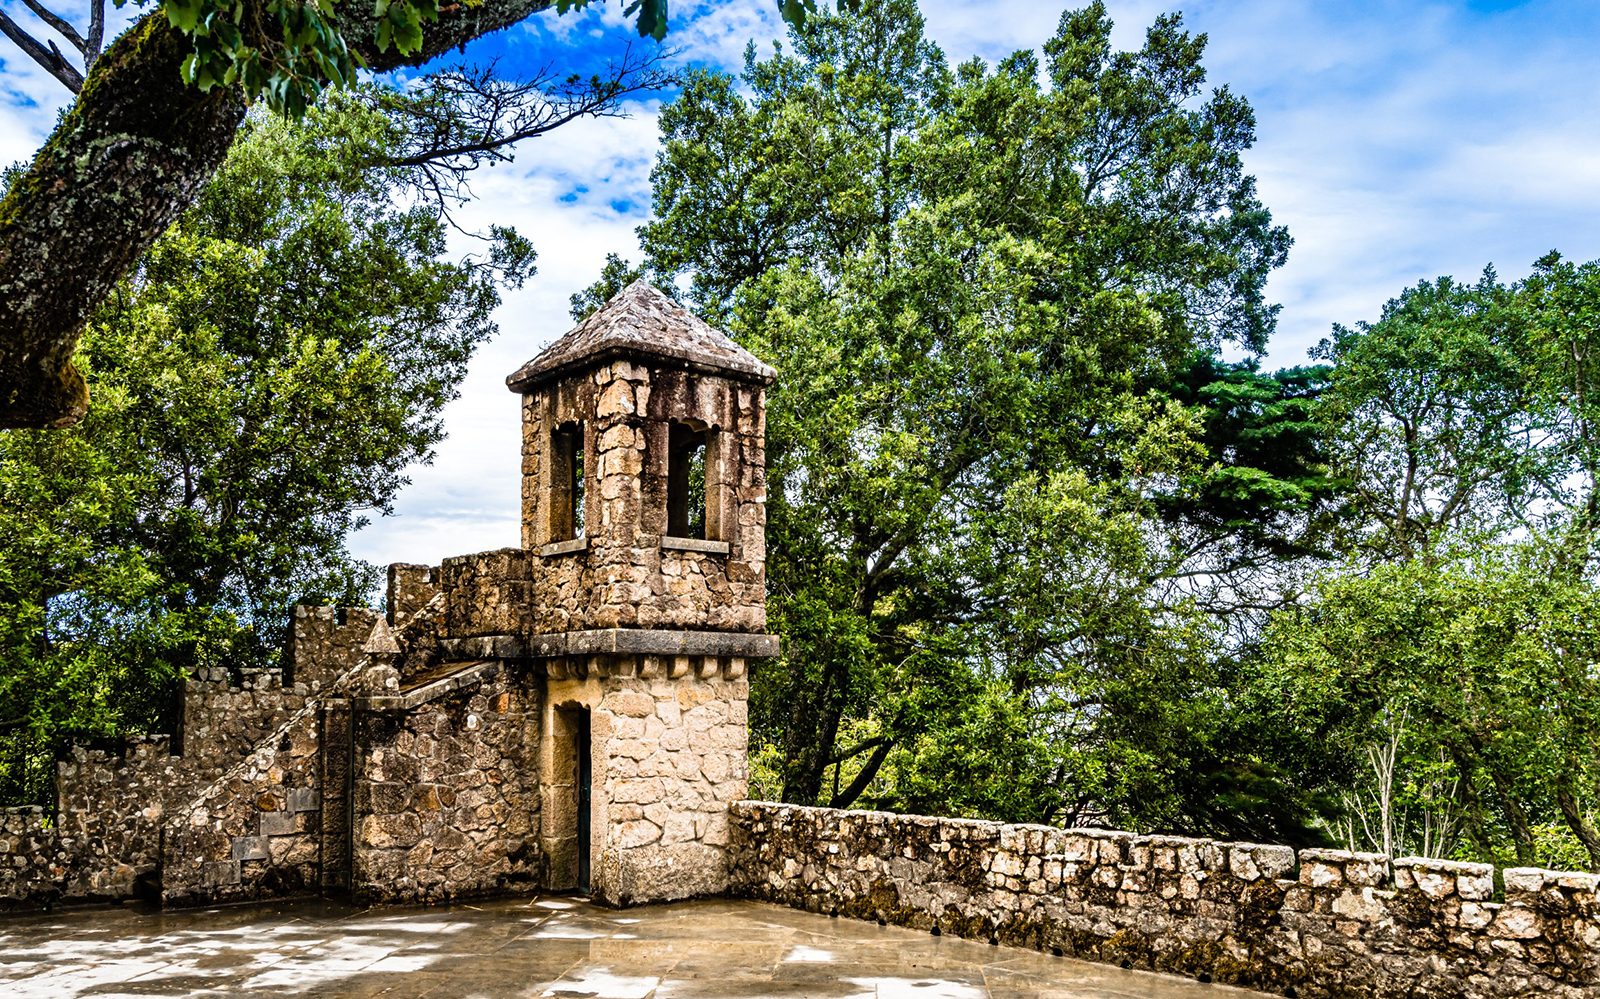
(97, 33)
(468, 117)
(49, 57)
(61, 25)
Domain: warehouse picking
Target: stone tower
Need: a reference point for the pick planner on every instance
(569, 714)
(644, 516)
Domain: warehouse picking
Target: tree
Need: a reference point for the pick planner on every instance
(1450, 654)
(972, 284)
(276, 361)
(1249, 523)
(1478, 667)
(1558, 321)
(155, 116)
(616, 275)
(1430, 416)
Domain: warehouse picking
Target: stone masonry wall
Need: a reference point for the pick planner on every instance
(410, 589)
(33, 863)
(324, 641)
(446, 796)
(105, 834)
(669, 743)
(623, 575)
(108, 814)
(104, 840)
(253, 832)
(1316, 924)
(252, 827)
(487, 593)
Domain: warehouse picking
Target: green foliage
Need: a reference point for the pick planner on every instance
(1450, 658)
(281, 355)
(616, 275)
(287, 52)
(984, 289)
(1481, 666)
(1428, 413)
(1268, 485)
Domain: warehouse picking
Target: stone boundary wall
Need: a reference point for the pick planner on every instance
(1314, 924)
(33, 861)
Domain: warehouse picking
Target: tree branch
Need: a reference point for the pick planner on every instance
(97, 33)
(857, 749)
(847, 797)
(121, 165)
(466, 117)
(50, 58)
(62, 27)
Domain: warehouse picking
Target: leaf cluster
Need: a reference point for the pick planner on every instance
(288, 52)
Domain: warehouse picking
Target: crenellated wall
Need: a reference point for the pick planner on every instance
(324, 640)
(103, 839)
(254, 830)
(109, 805)
(1313, 924)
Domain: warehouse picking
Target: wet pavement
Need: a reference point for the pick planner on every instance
(551, 948)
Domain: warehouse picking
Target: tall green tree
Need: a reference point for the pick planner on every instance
(1451, 653)
(1467, 681)
(278, 359)
(1431, 417)
(979, 285)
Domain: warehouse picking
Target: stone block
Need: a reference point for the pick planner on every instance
(1516, 922)
(250, 848)
(1524, 880)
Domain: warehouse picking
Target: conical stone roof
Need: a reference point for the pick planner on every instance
(642, 322)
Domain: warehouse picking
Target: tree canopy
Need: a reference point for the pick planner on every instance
(277, 360)
(1452, 651)
(1009, 484)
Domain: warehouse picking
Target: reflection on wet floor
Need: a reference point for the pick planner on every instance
(552, 948)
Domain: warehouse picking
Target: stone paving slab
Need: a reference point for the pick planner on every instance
(549, 948)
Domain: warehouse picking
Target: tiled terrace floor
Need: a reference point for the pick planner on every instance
(553, 947)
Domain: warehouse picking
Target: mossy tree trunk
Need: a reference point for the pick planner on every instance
(127, 158)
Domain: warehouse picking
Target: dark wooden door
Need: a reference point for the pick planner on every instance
(585, 777)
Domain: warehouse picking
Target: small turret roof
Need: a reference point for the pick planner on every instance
(642, 321)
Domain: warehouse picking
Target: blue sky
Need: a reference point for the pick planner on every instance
(1397, 141)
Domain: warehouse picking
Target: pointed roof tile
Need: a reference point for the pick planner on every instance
(643, 321)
